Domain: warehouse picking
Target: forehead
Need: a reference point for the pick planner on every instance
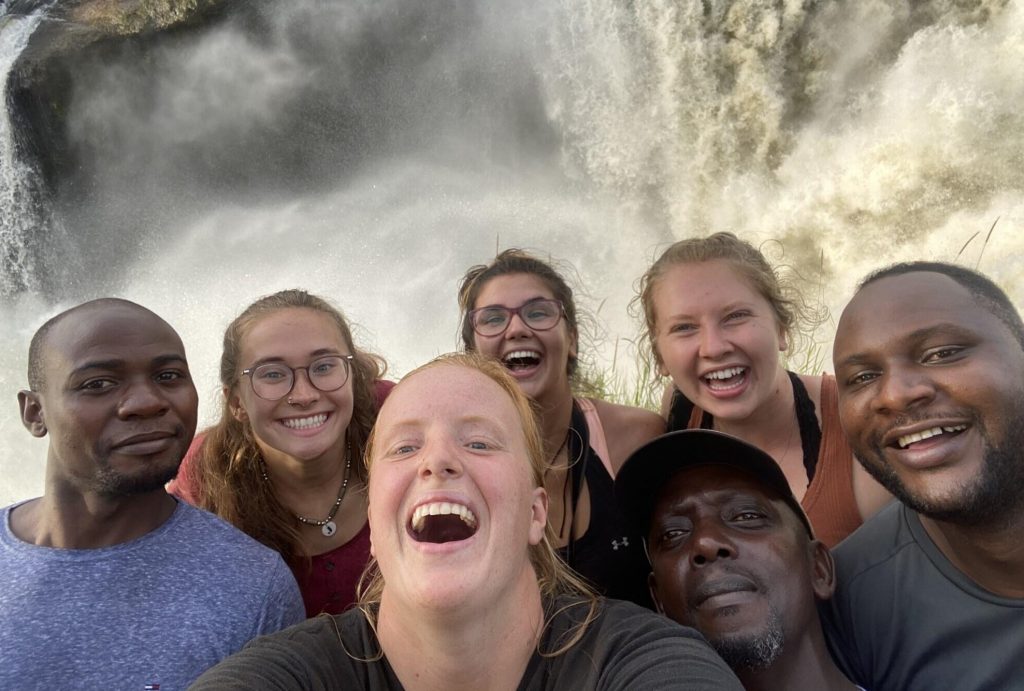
(122, 332)
(448, 393)
(512, 290)
(888, 313)
(707, 282)
(284, 325)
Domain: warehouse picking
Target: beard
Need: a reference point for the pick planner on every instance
(113, 484)
(753, 652)
(992, 498)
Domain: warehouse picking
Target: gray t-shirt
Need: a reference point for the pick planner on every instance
(904, 617)
(150, 613)
(627, 647)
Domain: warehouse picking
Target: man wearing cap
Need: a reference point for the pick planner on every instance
(108, 581)
(733, 555)
(929, 362)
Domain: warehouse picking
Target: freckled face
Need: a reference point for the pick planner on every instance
(717, 338)
(545, 353)
(931, 395)
(448, 435)
(307, 424)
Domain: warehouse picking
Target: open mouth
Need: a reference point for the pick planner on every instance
(909, 440)
(443, 521)
(521, 359)
(308, 422)
(724, 379)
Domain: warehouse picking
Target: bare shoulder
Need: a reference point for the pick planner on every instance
(627, 428)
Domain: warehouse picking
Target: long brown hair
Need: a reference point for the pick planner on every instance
(553, 576)
(230, 479)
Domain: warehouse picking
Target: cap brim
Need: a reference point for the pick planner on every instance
(649, 469)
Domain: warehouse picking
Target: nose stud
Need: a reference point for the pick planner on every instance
(291, 401)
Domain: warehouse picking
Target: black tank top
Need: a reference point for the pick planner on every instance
(607, 555)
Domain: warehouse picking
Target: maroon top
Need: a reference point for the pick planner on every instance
(330, 583)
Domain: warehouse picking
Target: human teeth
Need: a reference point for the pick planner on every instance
(520, 354)
(908, 439)
(305, 422)
(724, 373)
(419, 516)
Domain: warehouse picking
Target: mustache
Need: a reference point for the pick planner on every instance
(721, 583)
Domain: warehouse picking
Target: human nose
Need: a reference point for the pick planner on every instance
(713, 344)
(709, 543)
(303, 392)
(440, 460)
(903, 388)
(142, 399)
(517, 327)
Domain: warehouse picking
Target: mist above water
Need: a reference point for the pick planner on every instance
(372, 151)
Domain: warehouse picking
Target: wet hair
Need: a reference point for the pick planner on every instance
(981, 287)
(230, 465)
(37, 346)
(509, 262)
(787, 304)
(554, 577)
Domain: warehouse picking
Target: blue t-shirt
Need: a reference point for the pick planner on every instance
(148, 614)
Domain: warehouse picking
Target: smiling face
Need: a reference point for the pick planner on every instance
(717, 338)
(453, 503)
(538, 360)
(117, 400)
(931, 396)
(307, 424)
(734, 562)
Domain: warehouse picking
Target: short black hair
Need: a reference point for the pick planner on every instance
(981, 287)
(36, 371)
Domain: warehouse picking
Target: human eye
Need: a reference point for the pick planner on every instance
(859, 378)
(671, 537)
(683, 328)
(171, 376)
(942, 354)
(491, 317)
(322, 368)
(737, 315)
(97, 385)
(271, 373)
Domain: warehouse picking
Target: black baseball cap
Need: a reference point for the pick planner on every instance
(649, 468)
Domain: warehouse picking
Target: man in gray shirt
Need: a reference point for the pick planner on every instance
(929, 361)
(108, 581)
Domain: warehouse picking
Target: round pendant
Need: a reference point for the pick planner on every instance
(329, 528)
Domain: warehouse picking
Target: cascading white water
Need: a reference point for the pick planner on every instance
(17, 213)
(372, 151)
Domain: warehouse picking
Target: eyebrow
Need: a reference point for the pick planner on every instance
(523, 304)
(158, 361)
(319, 352)
(916, 336)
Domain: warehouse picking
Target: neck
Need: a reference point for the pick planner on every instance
(427, 648)
(555, 418)
(67, 518)
(991, 556)
(803, 664)
(761, 428)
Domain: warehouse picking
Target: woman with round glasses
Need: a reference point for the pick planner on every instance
(519, 310)
(284, 463)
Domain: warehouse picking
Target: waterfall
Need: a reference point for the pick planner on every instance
(18, 211)
(372, 150)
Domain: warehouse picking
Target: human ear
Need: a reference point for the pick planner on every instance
(538, 515)
(235, 404)
(32, 413)
(823, 571)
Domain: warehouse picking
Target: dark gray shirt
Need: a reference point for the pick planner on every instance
(627, 647)
(904, 617)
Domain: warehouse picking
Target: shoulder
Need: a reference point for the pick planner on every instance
(323, 652)
(636, 648)
(203, 535)
(626, 428)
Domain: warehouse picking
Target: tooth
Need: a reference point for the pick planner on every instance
(445, 509)
(435, 509)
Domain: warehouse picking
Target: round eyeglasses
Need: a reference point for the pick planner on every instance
(540, 315)
(272, 381)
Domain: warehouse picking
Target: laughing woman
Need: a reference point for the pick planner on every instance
(519, 310)
(468, 592)
(284, 462)
(717, 319)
